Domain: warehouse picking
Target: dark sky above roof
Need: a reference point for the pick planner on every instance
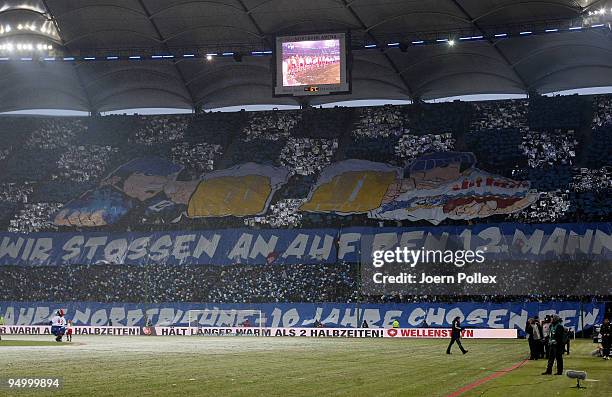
(544, 63)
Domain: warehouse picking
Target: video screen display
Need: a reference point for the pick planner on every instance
(311, 65)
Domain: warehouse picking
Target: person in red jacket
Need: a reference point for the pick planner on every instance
(69, 330)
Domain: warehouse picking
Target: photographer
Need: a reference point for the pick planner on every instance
(546, 336)
(534, 336)
(569, 334)
(529, 333)
(606, 338)
(556, 343)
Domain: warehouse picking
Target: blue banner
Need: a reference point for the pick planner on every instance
(575, 315)
(505, 241)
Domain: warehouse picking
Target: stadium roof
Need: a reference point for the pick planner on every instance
(528, 58)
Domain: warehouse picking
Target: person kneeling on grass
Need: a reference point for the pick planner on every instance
(58, 325)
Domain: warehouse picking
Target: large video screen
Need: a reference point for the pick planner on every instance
(314, 64)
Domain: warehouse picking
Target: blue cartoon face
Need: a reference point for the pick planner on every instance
(99, 207)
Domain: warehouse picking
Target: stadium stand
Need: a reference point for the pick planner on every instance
(62, 158)
(209, 194)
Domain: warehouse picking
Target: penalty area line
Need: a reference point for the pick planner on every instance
(486, 379)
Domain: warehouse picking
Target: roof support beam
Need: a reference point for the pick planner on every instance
(91, 107)
(260, 31)
(591, 5)
(253, 21)
(349, 6)
(493, 44)
(163, 40)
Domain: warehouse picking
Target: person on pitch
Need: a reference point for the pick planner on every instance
(456, 336)
(58, 325)
(534, 336)
(556, 342)
(606, 338)
(69, 331)
(546, 335)
(540, 332)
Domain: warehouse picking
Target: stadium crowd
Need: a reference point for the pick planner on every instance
(271, 125)
(83, 163)
(47, 162)
(161, 129)
(238, 283)
(501, 115)
(546, 149)
(163, 283)
(307, 156)
(50, 161)
(603, 111)
(198, 157)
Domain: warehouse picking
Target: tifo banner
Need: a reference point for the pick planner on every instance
(506, 241)
(511, 315)
(152, 183)
(414, 333)
(433, 187)
(350, 187)
(239, 191)
(436, 191)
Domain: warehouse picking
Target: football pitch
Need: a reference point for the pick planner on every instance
(252, 366)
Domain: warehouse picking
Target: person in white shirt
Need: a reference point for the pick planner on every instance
(69, 331)
(58, 325)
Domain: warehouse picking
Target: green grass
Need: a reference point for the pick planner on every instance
(250, 366)
(18, 343)
(528, 381)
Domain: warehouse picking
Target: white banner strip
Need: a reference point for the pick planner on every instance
(415, 333)
(76, 330)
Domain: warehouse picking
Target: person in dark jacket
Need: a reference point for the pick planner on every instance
(456, 336)
(569, 334)
(531, 331)
(539, 331)
(556, 342)
(606, 338)
(546, 335)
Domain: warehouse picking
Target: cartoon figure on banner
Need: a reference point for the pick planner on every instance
(447, 185)
(434, 187)
(153, 183)
(139, 180)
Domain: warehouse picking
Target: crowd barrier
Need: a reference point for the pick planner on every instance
(414, 333)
